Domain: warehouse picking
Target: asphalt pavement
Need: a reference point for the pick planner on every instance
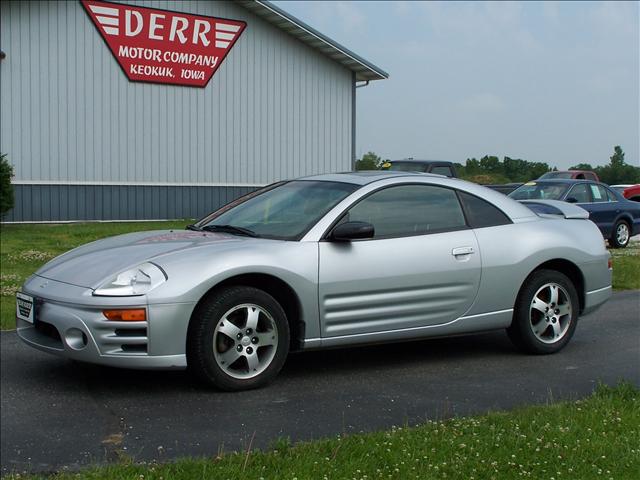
(58, 414)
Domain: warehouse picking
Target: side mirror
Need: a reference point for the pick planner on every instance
(348, 231)
(572, 200)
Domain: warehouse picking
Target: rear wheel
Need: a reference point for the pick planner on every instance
(238, 339)
(546, 313)
(620, 235)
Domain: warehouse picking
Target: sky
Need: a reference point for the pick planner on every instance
(548, 82)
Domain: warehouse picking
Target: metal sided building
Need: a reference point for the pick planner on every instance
(166, 109)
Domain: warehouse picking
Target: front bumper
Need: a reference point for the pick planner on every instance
(74, 327)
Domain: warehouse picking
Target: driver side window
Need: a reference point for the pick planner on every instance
(408, 210)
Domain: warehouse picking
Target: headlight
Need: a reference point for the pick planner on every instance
(136, 281)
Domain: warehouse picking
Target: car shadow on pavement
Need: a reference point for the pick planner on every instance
(301, 366)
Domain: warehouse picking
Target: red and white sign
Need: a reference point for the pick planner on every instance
(161, 46)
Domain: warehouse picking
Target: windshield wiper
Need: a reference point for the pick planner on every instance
(193, 227)
(230, 229)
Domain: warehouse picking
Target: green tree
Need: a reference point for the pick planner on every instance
(582, 166)
(617, 159)
(489, 169)
(6, 188)
(491, 164)
(369, 161)
(618, 171)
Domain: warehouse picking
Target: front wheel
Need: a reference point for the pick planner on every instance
(620, 235)
(238, 339)
(546, 313)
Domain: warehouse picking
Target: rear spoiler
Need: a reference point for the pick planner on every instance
(556, 207)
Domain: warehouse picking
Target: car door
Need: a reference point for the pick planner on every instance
(421, 268)
(603, 211)
(580, 194)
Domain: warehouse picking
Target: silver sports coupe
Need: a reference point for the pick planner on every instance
(323, 261)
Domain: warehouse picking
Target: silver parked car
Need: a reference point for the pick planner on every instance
(323, 261)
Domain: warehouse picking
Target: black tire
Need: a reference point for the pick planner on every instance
(203, 361)
(535, 330)
(620, 235)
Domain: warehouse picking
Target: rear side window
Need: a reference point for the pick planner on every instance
(408, 167)
(442, 171)
(407, 210)
(481, 213)
(610, 195)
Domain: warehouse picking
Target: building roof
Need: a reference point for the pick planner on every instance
(363, 69)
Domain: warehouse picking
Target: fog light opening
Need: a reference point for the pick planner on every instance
(75, 338)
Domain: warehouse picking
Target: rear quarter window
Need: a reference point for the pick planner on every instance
(480, 213)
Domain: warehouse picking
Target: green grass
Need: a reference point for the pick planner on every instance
(626, 267)
(598, 437)
(24, 248)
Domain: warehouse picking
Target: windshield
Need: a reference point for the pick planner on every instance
(540, 191)
(408, 167)
(557, 175)
(285, 211)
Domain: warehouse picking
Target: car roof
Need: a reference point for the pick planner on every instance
(512, 208)
(417, 160)
(363, 177)
(568, 181)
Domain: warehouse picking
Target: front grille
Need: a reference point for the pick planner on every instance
(47, 330)
(125, 338)
(136, 348)
(133, 332)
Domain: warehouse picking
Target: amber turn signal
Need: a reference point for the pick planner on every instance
(610, 264)
(132, 315)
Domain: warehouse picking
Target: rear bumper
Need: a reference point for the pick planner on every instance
(595, 298)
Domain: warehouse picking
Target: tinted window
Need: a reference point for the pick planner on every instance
(481, 213)
(442, 171)
(408, 167)
(580, 193)
(284, 212)
(409, 210)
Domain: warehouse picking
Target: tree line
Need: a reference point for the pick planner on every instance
(491, 170)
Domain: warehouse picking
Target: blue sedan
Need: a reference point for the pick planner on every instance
(617, 218)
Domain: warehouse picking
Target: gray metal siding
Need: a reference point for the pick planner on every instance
(275, 108)
(37, 203)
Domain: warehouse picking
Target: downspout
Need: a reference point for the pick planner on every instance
(353, 121)
(353, 118)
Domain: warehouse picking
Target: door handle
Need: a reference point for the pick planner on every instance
(462, 251)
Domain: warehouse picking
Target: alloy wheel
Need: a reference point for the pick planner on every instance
(550, 313)
(245, 341)
(622, 234)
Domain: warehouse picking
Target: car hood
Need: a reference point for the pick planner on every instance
(92, 264)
